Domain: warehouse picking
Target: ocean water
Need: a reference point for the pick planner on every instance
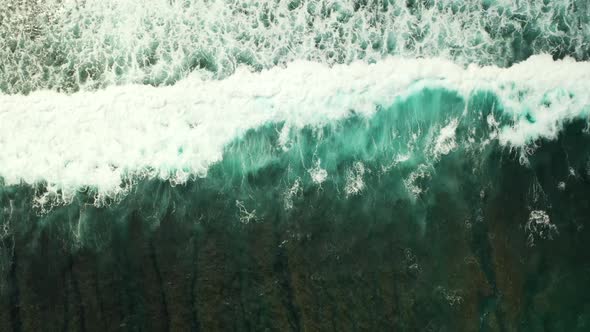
(184, 165)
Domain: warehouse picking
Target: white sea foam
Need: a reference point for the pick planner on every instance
(445, 141)
(98, 139)
(75, 44)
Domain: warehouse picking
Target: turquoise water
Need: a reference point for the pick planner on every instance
(303, 165)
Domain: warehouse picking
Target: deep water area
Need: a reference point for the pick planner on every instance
(328, 230)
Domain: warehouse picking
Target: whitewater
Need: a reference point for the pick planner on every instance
(68, 45)
(100, 139)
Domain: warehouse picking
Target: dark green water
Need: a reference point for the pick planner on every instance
(258, 245)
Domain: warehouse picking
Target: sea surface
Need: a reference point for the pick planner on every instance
(303, 165)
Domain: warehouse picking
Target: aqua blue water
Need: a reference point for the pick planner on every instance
(294, 165)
